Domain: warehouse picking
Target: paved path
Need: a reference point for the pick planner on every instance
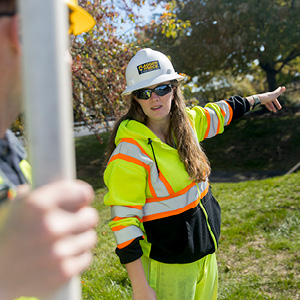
(82, 130)
(243, 176)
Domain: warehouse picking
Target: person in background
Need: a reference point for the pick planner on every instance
(46, 235)
(165, 219)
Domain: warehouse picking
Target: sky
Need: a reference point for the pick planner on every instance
(146, 12)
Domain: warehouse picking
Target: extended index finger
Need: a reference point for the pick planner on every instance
(280, 91)
(277, 104)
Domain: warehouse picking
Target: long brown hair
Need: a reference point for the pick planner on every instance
(189, 150)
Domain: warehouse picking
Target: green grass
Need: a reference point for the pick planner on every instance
(90, 154)
(259, 255)
(259, 250)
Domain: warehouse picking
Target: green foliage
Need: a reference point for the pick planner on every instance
(171, 26)
(221, 86)
(231, 35)
(100, 58)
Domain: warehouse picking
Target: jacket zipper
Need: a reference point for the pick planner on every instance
(150, 143)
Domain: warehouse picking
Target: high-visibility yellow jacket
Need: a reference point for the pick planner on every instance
(17, 168)
(156, 210)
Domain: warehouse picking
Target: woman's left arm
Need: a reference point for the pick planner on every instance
(268, 99)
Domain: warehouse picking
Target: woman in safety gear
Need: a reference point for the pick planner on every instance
(165, 219)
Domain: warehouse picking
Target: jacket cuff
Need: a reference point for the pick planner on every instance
(131, 252)
(240, 105)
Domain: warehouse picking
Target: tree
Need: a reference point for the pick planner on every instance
(234, 36)
(100, 58)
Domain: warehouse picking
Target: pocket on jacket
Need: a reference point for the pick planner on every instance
(186, 237)
(200, 241)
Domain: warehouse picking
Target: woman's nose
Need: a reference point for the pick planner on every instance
(154, 96)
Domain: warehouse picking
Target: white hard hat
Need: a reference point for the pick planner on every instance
(148, 67)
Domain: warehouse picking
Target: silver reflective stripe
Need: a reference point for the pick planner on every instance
(225, 107)
(174, 203)
(214, 119)
(125, 212)
(214, 122)
(134, 151)
(128, 233)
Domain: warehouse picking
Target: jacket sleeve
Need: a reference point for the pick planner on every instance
(210, 120)
(126, 182)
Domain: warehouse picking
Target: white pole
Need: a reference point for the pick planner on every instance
(47, 87)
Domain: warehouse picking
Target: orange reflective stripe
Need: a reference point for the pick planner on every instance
(134, 206)
(230, 112)
(132, 141)
(140, 207)
(137, 162)
(208, 123)
(123, 245)
(176, 211)
(218, 128)
(171, 213)
(117, 228)
(127, 158)
(166, 183)
(179, 193)
(204, 192)
(222, 112)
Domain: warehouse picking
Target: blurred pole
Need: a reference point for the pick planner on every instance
(48, 103)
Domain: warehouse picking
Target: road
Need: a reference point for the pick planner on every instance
(82, 130)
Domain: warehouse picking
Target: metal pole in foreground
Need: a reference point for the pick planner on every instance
(47, 86)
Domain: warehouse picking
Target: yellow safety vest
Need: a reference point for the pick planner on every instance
(144, 191)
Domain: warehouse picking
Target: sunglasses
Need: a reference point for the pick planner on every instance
(160, 90)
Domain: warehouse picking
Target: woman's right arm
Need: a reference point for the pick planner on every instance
(140, 287)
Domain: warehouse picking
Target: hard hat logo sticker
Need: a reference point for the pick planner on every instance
(149, 66)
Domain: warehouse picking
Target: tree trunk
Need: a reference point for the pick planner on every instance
(271, 78)
(271, 75)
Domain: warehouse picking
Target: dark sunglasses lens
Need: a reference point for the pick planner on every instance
(143, 94)
(163, 89)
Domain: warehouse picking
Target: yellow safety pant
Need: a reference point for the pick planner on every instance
(192, 281)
